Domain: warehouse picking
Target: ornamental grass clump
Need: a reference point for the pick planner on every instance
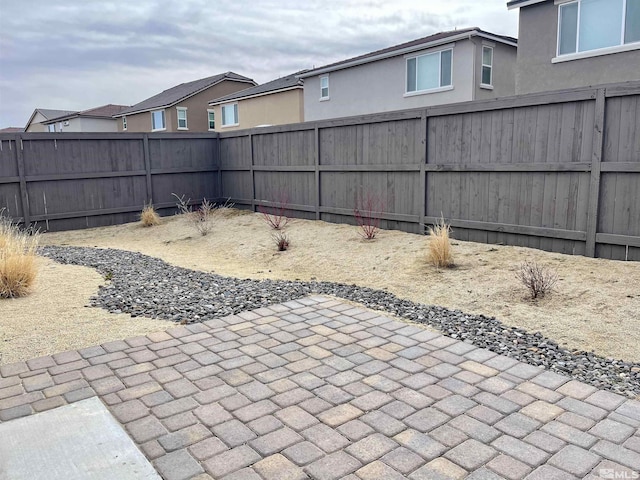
(281, 240)
(17, 258)
(149, 217)
(440, 254)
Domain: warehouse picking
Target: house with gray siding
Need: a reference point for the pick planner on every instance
(98, 119)
(447, 67)
(576, 43)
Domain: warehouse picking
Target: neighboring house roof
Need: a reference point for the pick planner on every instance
(522, 3)
(104, 111)
(180, 92)
(412, 46)
(289, 82)
(48, 114)
(12, 130)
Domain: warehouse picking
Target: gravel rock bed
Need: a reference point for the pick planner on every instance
(146, 286)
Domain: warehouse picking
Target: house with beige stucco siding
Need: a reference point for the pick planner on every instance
(447, 67)
(182, 108)
(277, 102)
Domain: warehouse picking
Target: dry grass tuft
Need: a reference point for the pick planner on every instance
(440, 254)
(149, 217)
(281, 240)
(17, 259)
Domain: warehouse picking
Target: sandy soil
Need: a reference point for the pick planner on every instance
(596, 305)
(53, 318)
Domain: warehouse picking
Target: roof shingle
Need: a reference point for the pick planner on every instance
(274, 85)
(174, 94)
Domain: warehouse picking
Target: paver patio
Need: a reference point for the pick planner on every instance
(317, 388)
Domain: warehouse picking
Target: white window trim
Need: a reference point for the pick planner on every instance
(211, 110)
(165, 120)
(328, 97)
(186, 122)
(124, 123)
(567, 57)
(487, 86)
(430, 90)
(222, 115)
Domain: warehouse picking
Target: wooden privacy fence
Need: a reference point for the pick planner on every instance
(559, 171)
(64, 181)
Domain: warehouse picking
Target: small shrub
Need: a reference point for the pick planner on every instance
(538, 279)
(202, 218)
(368, 212)
(149, 217)
(281, 240)
(274, 215)
(440, 254)
(17, 258)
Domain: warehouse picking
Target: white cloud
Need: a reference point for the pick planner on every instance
(78, 54)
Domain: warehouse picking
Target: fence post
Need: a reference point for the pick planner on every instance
(219, 153)
(594, 185)
(316, 162)
(147, 165)
(422, 190)
(24, 194)
(253, 175)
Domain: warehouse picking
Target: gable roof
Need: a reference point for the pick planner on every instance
(180, 92)
(289, 82)
(47, 114)
(412, 46)
(522, 3)
(104, 111)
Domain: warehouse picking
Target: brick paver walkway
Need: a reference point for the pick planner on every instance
(316, 388)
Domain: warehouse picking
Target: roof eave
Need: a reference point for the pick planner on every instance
(183, 98)
(513, 4)
(215, 102)
(402, 51)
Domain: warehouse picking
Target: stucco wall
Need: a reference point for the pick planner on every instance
(380, 87)
(504, 70)
(197, 120)
(88, 125)
(275, 109)
(537, 46)
(36, 126)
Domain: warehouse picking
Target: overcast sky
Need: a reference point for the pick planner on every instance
(79, 54)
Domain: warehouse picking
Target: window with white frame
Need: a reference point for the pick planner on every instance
(324, 87)
(586, 25)
(182, 118)
(211, 117)
(487, 67)
(230, 115)
(124, 123)
(157, 120)
(51, 128)
(430, 72)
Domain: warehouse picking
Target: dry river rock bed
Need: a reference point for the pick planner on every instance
(141, 285)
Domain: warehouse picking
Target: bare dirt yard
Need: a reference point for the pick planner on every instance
(595, 306)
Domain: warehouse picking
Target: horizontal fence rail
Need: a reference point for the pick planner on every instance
(556, 171)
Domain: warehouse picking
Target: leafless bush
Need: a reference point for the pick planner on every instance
(440, 245)
(368, 210)
(281, 240)
(275, 215)
(538, 279)
(202, 219)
